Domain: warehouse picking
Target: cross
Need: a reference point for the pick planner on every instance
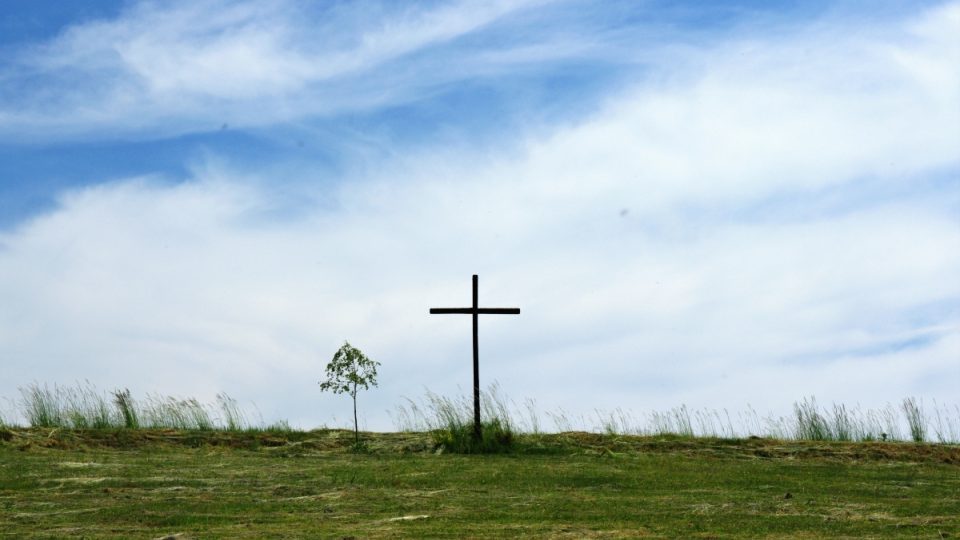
(475, 311)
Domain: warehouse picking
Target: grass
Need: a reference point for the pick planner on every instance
(84, 407)
(111, 466)
(810, 422)
(946, 427)
(121, 483)
(450, 422)
(127, 408)
(916, 419)
(811, 425)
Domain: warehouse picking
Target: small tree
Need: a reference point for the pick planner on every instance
(349, 371)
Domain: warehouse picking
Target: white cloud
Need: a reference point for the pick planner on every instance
(785, 235)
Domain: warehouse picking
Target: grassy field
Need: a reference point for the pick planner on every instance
(154, 483)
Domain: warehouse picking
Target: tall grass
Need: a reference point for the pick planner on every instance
(531, 419)
(232, 417)
(844, 427)
(947, 427)
(83, 407)
(675, 421)
(450, 422)
(39, 407)
(808, 421)
(811, 425)
(127, 408)
(171, 412)
(916, 419)
(87, 409)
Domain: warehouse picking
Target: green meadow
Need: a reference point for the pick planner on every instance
(148, 483)
(88, 464)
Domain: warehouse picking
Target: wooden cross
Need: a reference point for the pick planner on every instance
(475, 311)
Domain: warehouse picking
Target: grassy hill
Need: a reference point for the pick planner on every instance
(214, 484)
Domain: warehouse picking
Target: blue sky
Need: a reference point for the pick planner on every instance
(745, 203)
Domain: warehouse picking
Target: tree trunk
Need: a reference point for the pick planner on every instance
(356, 427)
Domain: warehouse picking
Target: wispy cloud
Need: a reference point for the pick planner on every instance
(182, 66)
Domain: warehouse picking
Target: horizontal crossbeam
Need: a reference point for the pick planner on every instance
(472, 310)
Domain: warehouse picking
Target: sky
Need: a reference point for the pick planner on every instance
(726, 205)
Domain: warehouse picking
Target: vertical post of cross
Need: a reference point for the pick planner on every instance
(475, 310)
(476, 364)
